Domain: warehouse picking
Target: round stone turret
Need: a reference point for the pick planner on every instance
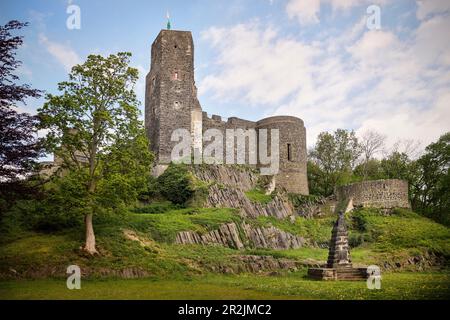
(292, 138)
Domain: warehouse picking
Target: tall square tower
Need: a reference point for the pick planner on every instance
(171, 96)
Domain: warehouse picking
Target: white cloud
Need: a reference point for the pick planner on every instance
(63, 53)
(308, 11)
(249, 55)
(425, 8)
(360, 80)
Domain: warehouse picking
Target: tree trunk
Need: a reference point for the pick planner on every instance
(89, 247)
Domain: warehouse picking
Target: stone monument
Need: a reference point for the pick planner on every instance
(339, 265)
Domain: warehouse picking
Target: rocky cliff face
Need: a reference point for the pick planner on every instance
(228, 187)
(244, 235)
(231, 176)
(225, 197)
(227, 190)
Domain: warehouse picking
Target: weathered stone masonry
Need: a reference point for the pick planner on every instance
(384, 194)
(171, 103)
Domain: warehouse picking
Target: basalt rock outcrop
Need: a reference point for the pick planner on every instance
(255, 264)
(243, 236)
(236, 177)
(224, 197)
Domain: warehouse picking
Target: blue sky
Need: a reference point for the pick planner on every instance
(314, 59)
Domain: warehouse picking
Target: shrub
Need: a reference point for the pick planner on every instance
(175, 184)
(158, 207)
(178, 185)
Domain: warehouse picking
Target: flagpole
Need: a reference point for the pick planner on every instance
(168, 21)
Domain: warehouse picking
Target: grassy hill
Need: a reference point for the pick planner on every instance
(140, 243)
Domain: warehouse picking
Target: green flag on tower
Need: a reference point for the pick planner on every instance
(168, 21)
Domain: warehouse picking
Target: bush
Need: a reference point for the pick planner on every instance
(158, 207)
(39, 216)
(178, 185)
(175, 184)
(299, 200)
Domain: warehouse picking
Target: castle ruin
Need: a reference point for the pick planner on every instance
(382, 194)
(171, 103)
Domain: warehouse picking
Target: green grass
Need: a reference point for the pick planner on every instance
(402, 230)
(164, 227)
(157, 207)
(258, 196)
(126, 289)
(246, 286)
(386, 239)
(318, 230)
(394, 286)
(305, 253)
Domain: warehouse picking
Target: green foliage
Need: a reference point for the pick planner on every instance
(433, 193)
(300, 200)
(158, 207)
(259, 196)
(318, 180)
(371, 169)
(177, 184)
(336, 152)
(332, 164)
(332, 161)
(94, 130)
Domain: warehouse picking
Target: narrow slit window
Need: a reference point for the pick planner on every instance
(175, 76)
(289, 152)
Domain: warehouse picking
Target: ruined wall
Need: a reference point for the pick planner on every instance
(385, 194)
(216, 122)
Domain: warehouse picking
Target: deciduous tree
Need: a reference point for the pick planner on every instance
(94, 128)
(19, 146)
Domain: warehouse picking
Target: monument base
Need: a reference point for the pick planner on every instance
(338, 273)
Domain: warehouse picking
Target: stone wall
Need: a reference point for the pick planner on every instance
(216, 122)
(384, 194)
(292, 146)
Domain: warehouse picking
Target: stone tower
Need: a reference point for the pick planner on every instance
(171, 96)
(292, 134)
